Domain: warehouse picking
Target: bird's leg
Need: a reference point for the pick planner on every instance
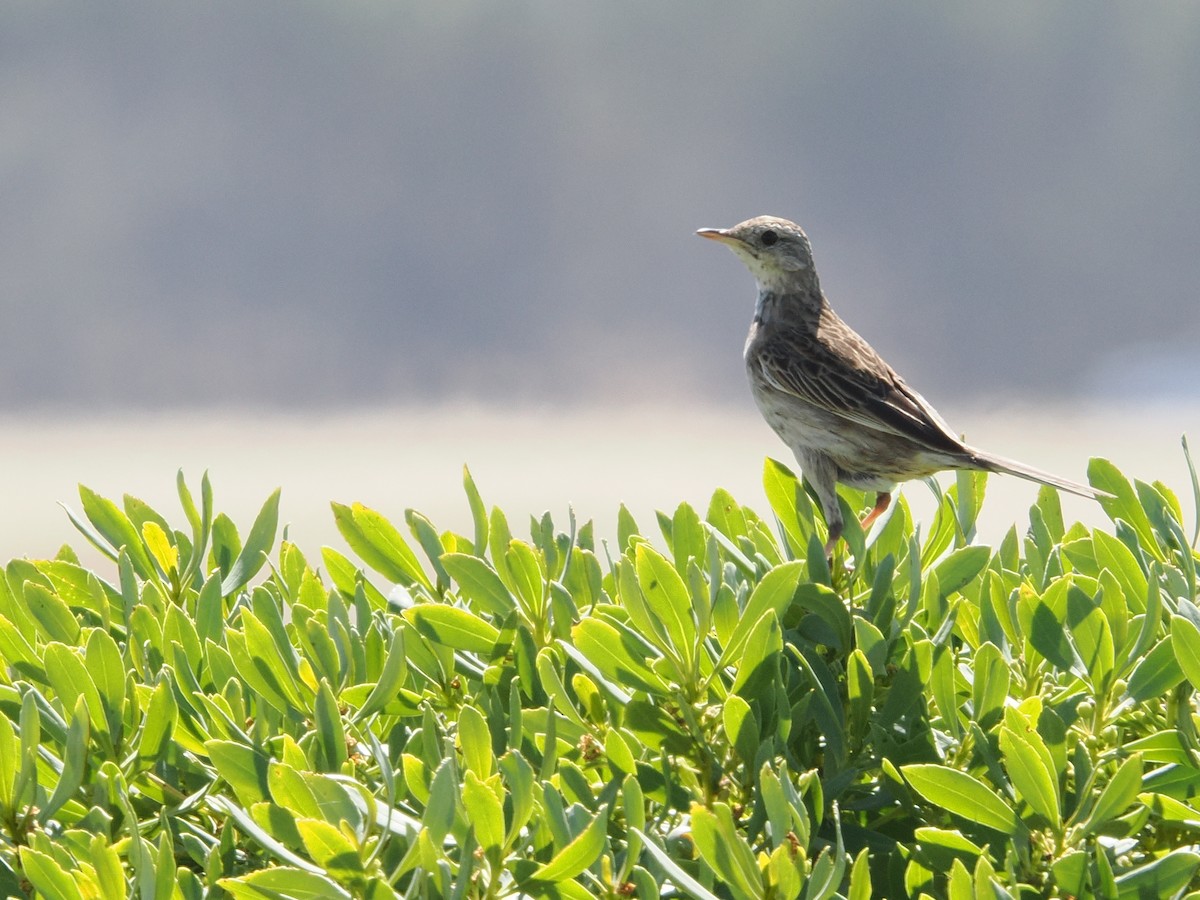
(835, 535)
(882, 499)
(821, 475)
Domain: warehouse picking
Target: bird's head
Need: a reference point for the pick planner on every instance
(776, 251)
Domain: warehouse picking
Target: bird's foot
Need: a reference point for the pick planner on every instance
(830, 546)
(882, 499)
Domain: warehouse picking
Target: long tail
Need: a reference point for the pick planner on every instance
(994, 463)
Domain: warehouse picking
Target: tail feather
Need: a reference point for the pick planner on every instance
(992, 463)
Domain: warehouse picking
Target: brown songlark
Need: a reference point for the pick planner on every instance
(843, 411)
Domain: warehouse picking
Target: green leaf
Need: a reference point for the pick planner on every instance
(989, 689)
(1171, 810)
(986, 883)
(291, 791)
(725, 851)
(454, 627)
(618, 753)
(329, 848)
(284, 883)
(1030, 767)
(668, 598)
(475, 742)
(443, 801)
(943, 685)
(1046, 629)
(1185, 640)
(725, 515)
(50, 878)
(830, 622)
(790, 504)
(1123, 504)
(484, 810)
(958, 569)
(963, 795)
(160, 547)
(331, 736)
(1157, 673)
(256, 548)
(199, 524)
(860, 877)
(430, 542)
(641, 619)
(627, 528)
(1118, 795)
(1165, 877)
(16, 651)
(762, 650)
(1166, 746)
(107, 863)
(479, 583)
(676, 873)
(380, 545)
(1090, 633)
(942, 844)
(478, 513)
(960, 885)
(1071, 874)
(259, 658)
(553, 686)
(785, 870)
(688, 540)
(741, 728)
(114, 526)
(164, 867)
(775, 802)
(612, 653)
(393, 676)
(226, 545)
(75, 762)
(826, 707)
(10, 765)
(55, 620)
(210, 611)
(223, 805)
(774, 592)
(1187, 455)
(522, 563)
(29, 723)
(70, 679)
(1113, 555)
(518, 777)
(243, 768)
(580, 853)
(103, 660)
(159, 723)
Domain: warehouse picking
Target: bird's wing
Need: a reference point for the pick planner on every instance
(836, 370)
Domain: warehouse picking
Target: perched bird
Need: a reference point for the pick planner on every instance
(843, 411)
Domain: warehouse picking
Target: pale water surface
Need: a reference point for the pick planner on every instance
(524, 460)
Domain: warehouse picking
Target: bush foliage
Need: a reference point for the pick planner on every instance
(714, 712)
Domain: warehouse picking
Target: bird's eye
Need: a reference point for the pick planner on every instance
(769, 238)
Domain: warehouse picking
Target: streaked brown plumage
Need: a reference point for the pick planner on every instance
(843, 411)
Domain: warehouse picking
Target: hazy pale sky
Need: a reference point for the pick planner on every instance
(289, 204)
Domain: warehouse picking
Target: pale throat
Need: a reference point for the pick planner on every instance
(773, 280)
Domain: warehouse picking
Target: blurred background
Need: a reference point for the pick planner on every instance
(346, 248)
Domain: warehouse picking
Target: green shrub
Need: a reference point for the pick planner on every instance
(552, 717)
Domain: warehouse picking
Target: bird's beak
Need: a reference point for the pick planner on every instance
(717, 234)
